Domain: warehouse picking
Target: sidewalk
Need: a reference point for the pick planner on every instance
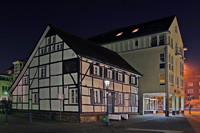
(140, 123)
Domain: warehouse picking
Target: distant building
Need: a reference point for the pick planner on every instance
(5, 84)
(192, 87)
(66, 73)
(156, 50)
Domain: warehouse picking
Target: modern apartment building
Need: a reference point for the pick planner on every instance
(156, 50)
(5, 84)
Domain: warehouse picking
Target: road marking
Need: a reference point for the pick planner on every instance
(154, 130)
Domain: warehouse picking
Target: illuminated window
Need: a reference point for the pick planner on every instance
(135, 30)
(190, 91)
(119, 34)
(190, 84)
(162, 79)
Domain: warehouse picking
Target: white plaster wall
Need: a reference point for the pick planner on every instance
(69, 54)
(120, 109)
(43, 82)
(44, 59)
(44, 105)
(44, 93)
(85, 100)
(35, 107)
(87, 81)
(47, 70)
(14, 99)
(136, 109)
(32, 72)
(98, 83)
(126, 109)
(68, 79)
(116, 109)
(65, 46)
(15, 91)
(56, 80)
(58, 39)
(60, 90)
(19, 106)
(14, 106)
(35, 90)
(55, 105)
(66, 91)
(71, 108)
(86, 108)
(20, 82)
(56, 68)
(111, 86)
(19, 88)
(54, 92)
(97, 108)
(25, 89)
(134, 90)
(30, 94)
(25, 99)
(25, 106)
(118, 87)
(66, 101)
(57, 56)
(43, 43)
(126, 88)
(85, 91)
(34, 62)
(34, 83)
(85, 66)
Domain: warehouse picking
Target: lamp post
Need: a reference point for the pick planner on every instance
(107, 83)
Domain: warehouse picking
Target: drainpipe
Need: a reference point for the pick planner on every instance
(166, 82)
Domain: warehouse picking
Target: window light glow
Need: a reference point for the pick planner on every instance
(119, 34)
(135, 30)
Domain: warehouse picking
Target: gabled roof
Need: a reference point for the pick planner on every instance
(147, 28)
(92, 50)
(81, 47)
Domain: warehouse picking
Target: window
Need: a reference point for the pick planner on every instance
(136, 43)
(42, 52)
(42, 72)
(162, 79)
(154, 41)
(54, 39)
(25, 80)
(49, 49)
(162, 61)
(49, 40)
(169, 62)
(161, 39)
(133, 99)
(19, 99)
(95, 70)
(121, 98)
(35, 98)
(177, 82)
(61, 46)
(58, 47)
(190, 84)
(190, 91)
(171, 79)
(73, 96)
(96, 96)
(133, 79)
(119, 34)
(172, 45)
(119, 77)
(182, 84)
(176, 30)
(172, 63)
(70, 66)
(53, 47)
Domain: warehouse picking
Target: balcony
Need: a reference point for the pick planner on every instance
(179, 51)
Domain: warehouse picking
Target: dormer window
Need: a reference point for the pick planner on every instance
(119, 34)
(135, 30)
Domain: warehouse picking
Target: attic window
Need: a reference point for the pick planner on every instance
(135, 30)
(119, 34)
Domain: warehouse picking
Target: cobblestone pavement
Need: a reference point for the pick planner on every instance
(137, 124)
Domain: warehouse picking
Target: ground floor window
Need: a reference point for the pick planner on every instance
(73, 96)
(96, 96)
(35, 98)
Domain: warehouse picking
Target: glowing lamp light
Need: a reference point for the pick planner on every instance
(135, 30)
(107, 83)
(185, 49)
(5, 93)
(119, 34)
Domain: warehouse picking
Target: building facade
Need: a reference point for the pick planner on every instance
(66, 73)
(192, 88)
(156, 50)
(5, 84)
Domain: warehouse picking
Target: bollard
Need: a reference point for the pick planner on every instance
(30, 118)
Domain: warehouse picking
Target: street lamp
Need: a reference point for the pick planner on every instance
(107, 83)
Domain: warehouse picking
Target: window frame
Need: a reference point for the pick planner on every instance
(42, 72)
(35, 98)
(73, 96)
(162, 63)
(161, 83)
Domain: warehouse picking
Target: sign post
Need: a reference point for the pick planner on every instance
(61, 97)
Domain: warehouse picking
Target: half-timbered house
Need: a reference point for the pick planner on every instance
(66, 73)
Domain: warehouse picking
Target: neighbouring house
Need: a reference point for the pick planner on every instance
(156, 50)
(5, 84)
(66, 73)
(192, 87)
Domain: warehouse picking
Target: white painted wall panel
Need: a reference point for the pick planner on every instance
(54, 92)
(135, 90)
(25, 99)
(118, 87)
(66, 101)
(35, 107)
(44, 59)
(68, 79)
(56, 80)
(98, 83)
(97, 108)
(43, 43)
(126, 109)
(85, 66)
(25, 106)
(126, 79)
(25, 89)
(15, 91)
(71, 108)
(57, 56)
(126, 88)
(116, 109)
(35, 90)
(66, 91)
(65, 46)
(34, 84)
(19, 106)
(86, 108)
(56, 68)
(87, 81)
(55, 105)
(33, 72)
(69, 54)
(47, 70)
(44, 105)
(19, 90)
(85, 100)
(20, 82)
(14, 99)
(44, 93)
(14, 106)
(111, 86)
(43, 82)
(85, 91)
(120, 109)
(60, 90)
(34, 62)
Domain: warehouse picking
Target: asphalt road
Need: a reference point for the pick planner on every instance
(137, 124)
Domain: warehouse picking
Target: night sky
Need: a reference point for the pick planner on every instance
(22, 22)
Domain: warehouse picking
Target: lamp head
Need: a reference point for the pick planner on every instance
(107, 83)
